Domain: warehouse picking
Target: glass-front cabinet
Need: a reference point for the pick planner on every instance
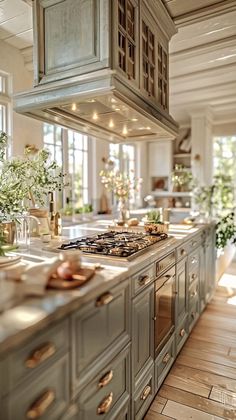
(125, 37)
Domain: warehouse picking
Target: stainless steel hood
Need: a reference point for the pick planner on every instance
(98, 108)
(79, 83)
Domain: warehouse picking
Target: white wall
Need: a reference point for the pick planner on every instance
(226, 129)
(24, 130)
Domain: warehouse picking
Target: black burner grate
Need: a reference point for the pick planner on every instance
(114, 244)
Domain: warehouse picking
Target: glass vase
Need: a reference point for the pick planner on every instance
(123, 209)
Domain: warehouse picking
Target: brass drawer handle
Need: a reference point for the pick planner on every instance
(166, 358)
(41, 405)
(194, 260)
(146, 392)
(193, 314)
(106, 379)
(194, 276)
(182, 332)
(105, 405)
(193, 294)
(104, 299)
(144, 279)
(40, 355)
(183, 252)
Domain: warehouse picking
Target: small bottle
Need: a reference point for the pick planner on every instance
(52, 214)
(58, 227)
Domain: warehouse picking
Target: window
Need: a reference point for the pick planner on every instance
(78, 167)
(5, 106)
(70, 150)
(124, 156)
(224, 150)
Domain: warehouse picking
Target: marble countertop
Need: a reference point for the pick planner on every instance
(30, 314)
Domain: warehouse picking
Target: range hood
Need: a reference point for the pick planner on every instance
(93, 94)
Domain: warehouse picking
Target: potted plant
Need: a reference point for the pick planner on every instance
(182, 178)
(154, 223)
(25, 181)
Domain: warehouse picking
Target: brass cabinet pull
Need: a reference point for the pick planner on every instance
(194, 260)
(41, 405)
(105, 405)
(193, 294)
(183, 252)
(194, 276)
(182, 332)
(154, 318)
(145, 392)
(40, 355)
(106, 379)
(104, 299)
(144, 279)
(166, 358)
(193, 315)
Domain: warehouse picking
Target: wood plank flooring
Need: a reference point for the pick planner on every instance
(202, 382)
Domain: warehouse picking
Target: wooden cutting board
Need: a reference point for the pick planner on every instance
(78, 279)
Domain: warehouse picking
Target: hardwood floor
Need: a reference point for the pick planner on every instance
(202, 382)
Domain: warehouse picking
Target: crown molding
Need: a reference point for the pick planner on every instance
(204, 13)
(28, 57)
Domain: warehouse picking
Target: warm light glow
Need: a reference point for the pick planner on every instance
(134, 119)
(148, 128)
(74, 107)
(95, 116)
(91, 100)
(117, 109)
(114, 101)
(124, 131)
(232, 301)
(228, 280)
(111, 124)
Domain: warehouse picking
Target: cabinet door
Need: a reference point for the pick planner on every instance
(143, 331)
(181, 280)
(99, 329)
(125, 39)
(202, 279)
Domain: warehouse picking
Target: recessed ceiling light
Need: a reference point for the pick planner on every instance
(111, 124)
(134, 119)
(148, 128)
(95, 116)
(117, 109)
(91, 100)
(74, 107)
(113, 100)
(124, 131)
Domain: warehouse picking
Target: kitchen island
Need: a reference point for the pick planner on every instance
(105, 348)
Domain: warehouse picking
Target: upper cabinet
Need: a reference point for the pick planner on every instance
(102, 66)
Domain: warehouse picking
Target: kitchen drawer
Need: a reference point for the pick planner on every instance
(108, 390)
(195, 242)
(38, 353)
(142, 279)
(193, 275)
(194, 260)
(164, 361)
(143, 395)
(193, 292)
(165, 263)
(181, 334)
(99, 330)
(46, 397)
(182, 251)
(193, 315)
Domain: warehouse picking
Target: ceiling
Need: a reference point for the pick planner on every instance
(202, 53)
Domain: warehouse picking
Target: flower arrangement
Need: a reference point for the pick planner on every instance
(26, 180)
(181, 177)
(120, 183)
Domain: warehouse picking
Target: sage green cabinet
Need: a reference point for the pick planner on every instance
(144, 395)
(142, 332)
(99, 329)
(182, 291)
(108, 391)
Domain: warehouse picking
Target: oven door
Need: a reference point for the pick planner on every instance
(165, 295)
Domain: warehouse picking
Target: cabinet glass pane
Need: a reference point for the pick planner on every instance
(148, 52)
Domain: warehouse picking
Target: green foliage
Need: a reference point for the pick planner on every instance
(26, 180)
(181, 176)
(225, 231)
(154, 216)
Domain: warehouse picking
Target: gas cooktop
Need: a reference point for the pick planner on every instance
(114, 244)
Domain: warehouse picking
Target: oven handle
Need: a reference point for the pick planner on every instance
(164, 280)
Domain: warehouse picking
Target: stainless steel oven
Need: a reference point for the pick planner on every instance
(165, 296)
